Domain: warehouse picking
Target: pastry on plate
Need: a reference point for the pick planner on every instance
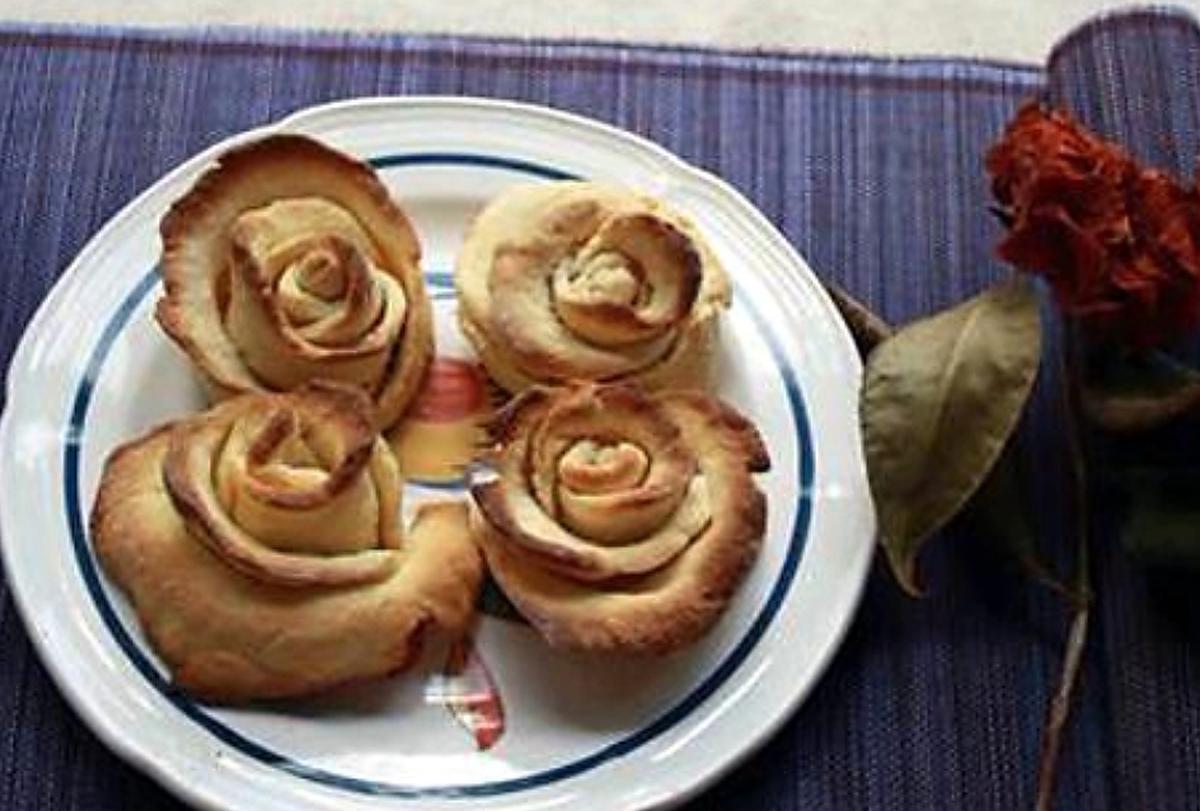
(288, 261)
(582, 281)
(621, 520)
(261, 545)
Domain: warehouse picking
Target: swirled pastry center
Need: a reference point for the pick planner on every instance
(631, 282)
(286, 487)
(569, 281)
(600, 467)
(294, 490)
(307, 291)
(600, 486)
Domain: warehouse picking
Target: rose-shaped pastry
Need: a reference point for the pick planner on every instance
(621, 520)
(261, 545)
(289, 262)
(579, 281)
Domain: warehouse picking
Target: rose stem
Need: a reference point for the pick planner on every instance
(868, 329)
(1080, 602)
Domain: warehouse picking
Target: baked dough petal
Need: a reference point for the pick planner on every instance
(288, 261)
(334, 593)
(654, 592)
(581, 281)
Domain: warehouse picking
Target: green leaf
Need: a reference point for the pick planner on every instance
(1164, 516)
(1126, 393)
(939, 401)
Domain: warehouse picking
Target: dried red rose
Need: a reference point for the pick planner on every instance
(1119, 244)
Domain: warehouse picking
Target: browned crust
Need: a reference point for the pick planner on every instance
(227, 638)
(628, 317)
(624, 396)
(742, 434)
(693, 266)
(599, 480)
(509, 419)
(284, 149)
(654, 624)
(584, 400)
(581, 399)
(489, 498)
(188, 212)
(175, 323)
(291, 571)
(232, 168)
(652, 613)
(532, 353)
(554, 556)
(224, 678)
(681, 245)
(244, 263)
(335, 403)
(337, 481)
(562, 223)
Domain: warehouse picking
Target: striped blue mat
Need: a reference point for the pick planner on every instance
(873, 169)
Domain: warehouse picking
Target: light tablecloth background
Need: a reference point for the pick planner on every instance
(997, 29)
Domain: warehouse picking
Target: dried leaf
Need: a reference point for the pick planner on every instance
(939, 401)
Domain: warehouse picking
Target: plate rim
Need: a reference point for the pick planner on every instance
(160, 768)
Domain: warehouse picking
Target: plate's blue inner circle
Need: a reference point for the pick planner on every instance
(75, 511)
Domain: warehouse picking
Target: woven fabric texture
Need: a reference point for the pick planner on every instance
(873, 168)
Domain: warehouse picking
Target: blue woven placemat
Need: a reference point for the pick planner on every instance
(873, 169)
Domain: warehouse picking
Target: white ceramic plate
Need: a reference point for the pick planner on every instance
(582, 732)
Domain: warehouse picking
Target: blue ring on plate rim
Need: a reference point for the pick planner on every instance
(230, 737)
